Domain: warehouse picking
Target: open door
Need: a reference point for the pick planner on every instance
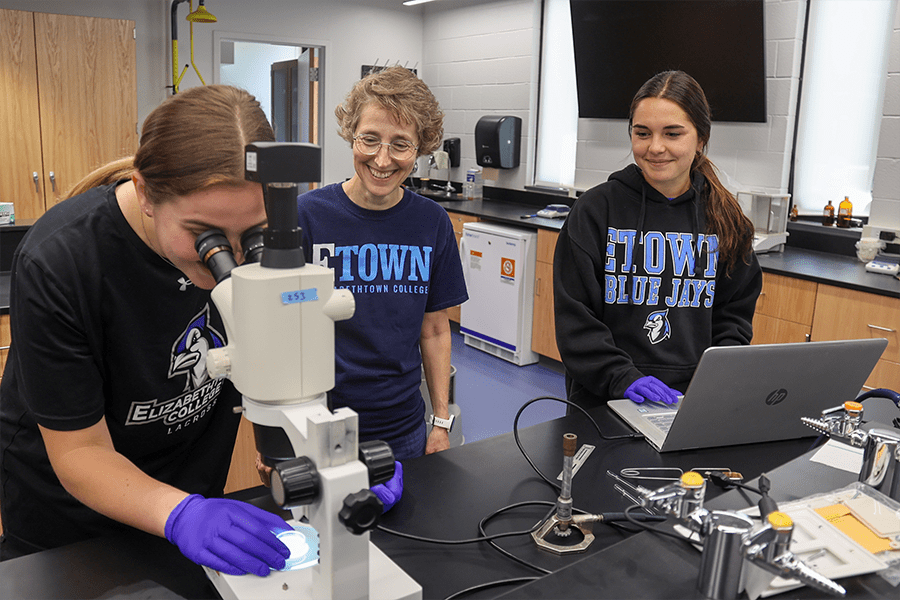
(295, 99)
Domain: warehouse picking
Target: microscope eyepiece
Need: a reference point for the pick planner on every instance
(252, 244)
(216, 253)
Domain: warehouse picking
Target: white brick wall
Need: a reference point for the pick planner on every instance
(885, 210)
(481, 58)
(751, 155)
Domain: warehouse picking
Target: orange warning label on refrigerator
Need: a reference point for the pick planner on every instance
(475, 253)
(508, 268)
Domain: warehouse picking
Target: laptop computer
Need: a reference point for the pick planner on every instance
(749, 394)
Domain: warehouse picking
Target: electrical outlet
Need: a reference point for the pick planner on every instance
(891, 236)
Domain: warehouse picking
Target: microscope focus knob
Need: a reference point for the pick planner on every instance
(295, 482)
(361, 512)
(218, 363)
(379, 459)
(340, 306)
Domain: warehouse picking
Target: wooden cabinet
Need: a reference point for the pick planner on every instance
(242, 474)
(796, 310)
(458, 220)
(784, 310)
(68, 103)
(4, 342)
(4, 349)
(543, 330)
(20, 128)
(843, 314)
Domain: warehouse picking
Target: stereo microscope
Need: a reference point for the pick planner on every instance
(279, 316)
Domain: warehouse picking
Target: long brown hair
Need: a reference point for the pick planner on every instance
(190, 142)
(724, 216)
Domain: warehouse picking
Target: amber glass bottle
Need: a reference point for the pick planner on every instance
(845, 212)
(828, 214)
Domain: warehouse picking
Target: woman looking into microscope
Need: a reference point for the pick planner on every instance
(655, 265)
(109, 418)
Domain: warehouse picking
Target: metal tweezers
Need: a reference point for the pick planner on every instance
(633, 492)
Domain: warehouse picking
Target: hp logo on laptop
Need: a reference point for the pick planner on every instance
(776, 397)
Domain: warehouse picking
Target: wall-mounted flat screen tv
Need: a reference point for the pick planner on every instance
(620, 44)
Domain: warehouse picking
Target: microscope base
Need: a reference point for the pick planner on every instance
(387, 581)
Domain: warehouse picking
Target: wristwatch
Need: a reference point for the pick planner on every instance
(439, 422)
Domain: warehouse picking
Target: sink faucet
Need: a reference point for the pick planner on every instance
(432, 164)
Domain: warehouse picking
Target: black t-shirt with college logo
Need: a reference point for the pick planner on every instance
(102, 327)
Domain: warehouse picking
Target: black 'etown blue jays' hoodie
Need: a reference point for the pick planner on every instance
(639, 288)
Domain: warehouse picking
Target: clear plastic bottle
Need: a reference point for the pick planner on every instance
(473, 188)
(845, 212)
(828, 214)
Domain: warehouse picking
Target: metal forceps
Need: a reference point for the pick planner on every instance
(674, 473)
(632, 491)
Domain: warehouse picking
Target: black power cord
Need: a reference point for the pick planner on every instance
(610, 518)
(488, 538)
(489, 585)
(632, 518)
(766, 505)
(553, 484)
(506, 553)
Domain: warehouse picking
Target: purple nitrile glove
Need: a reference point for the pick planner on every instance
(226, 535)
(390, 491)
(651, 388)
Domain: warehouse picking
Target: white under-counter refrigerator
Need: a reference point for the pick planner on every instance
(498, 264)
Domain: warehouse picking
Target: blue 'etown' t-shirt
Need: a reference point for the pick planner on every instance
(399, 264)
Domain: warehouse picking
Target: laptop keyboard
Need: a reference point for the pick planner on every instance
(663, 421)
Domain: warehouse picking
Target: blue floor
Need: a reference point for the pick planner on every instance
(490, 391)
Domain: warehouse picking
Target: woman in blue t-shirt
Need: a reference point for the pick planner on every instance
(396, 252)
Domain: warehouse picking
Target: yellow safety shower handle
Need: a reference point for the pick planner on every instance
(201, 15)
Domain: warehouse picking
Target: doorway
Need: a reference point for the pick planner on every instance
(295, 98)
(286, 76)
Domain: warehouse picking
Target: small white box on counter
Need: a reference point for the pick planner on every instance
(7, 213)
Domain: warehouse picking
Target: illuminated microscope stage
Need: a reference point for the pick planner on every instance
(387, 581)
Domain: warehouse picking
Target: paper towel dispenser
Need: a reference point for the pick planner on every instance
(498, 141)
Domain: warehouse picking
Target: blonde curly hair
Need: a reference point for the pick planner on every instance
(405, 96)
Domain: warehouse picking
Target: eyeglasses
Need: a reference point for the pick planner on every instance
(398, 149)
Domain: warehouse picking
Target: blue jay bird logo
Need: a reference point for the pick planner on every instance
(657, 326)
(189, 350)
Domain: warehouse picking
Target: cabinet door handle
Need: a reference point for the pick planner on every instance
(53, 181)
(37, 181)
(537, 286)
(867, 387)
(880, 328)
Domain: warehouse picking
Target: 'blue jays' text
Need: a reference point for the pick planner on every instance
(693, 282)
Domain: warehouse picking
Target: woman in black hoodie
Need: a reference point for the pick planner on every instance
(657, 264)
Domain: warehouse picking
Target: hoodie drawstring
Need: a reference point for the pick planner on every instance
(639, 233)
(695, 228)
